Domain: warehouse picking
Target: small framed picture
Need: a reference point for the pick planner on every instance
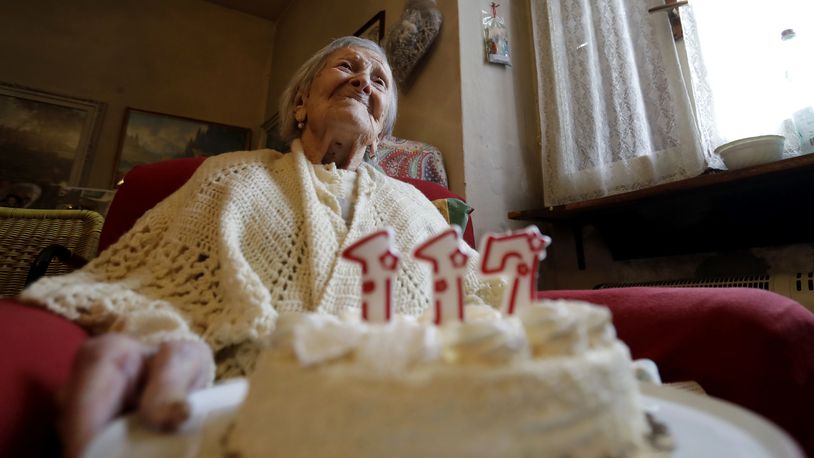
(46, 140)
(373, 29)
(148, 137)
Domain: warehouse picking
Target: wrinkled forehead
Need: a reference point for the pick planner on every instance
(359, 54)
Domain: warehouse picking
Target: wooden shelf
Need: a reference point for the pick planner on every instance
(764, 205)
(707, 180)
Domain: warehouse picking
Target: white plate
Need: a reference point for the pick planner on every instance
(702, 427)
(708, 427)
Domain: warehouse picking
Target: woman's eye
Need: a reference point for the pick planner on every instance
(344, 65)
(380, 81)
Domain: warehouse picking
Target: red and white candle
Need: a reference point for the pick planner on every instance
(514, 256)
(446, 254)
(379, 260)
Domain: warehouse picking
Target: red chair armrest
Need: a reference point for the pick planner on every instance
(144, 186)
(38, 348)
(747, 346)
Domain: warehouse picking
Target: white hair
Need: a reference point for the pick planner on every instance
(301, 84)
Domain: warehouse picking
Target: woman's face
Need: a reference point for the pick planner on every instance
(348, 99)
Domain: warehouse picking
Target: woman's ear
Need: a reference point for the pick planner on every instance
(299, 108)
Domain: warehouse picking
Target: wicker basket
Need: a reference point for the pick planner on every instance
(24, 233)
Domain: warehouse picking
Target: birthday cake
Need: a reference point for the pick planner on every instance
(548, 379)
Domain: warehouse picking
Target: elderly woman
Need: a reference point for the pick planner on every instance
(197, 283)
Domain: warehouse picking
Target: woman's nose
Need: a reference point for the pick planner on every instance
(362, 83)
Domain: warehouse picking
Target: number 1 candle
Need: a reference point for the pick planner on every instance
(445, 253)
(379, 260)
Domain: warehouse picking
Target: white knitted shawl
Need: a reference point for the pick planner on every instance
(249, 235)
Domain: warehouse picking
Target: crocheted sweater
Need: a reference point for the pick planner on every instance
(251, 234)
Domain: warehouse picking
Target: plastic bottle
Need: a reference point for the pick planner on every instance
(800, 94)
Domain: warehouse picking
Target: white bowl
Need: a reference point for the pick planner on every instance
(751, 151)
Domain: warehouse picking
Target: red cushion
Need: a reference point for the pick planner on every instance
(38, 349)
(144, 186)
(747, 346)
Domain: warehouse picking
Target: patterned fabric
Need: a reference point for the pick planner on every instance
(455, 211)
(401, 158)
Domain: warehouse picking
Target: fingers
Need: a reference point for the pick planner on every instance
(107, 376)
(178, 368)
(104, 379)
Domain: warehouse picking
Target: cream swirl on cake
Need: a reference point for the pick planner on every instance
(488, 342)
(560, 327)
(547, 328)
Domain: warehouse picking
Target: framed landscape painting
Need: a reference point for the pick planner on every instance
(151, 137)
(46, 141)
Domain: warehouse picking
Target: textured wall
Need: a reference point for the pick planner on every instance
(499, 120)
(182, 57)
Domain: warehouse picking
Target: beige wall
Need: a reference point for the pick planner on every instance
(182, 57)
(501, 158)
(429, 109)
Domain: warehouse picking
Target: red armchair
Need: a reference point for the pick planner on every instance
(747, 346)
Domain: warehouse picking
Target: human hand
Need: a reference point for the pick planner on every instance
(114, 372)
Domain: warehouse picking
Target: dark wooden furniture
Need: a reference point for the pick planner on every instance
(764, 205)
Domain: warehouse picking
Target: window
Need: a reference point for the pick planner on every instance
(621, 110)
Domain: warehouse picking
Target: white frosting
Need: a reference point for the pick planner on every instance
(320, 338)
(549, 328)
(484, 341)
(395, 348)
(551, 381)
(566, 327)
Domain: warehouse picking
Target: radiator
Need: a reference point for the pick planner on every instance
(798, 286)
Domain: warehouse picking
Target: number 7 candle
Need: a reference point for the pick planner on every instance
(515, 257)
(379, 260)
(445, 253)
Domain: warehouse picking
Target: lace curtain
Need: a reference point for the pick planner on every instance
(615, 112)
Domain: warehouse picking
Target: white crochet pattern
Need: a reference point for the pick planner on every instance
(251, 234)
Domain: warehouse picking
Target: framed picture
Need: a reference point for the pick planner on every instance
(151, 137)
(373, 29)
(46, 140)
